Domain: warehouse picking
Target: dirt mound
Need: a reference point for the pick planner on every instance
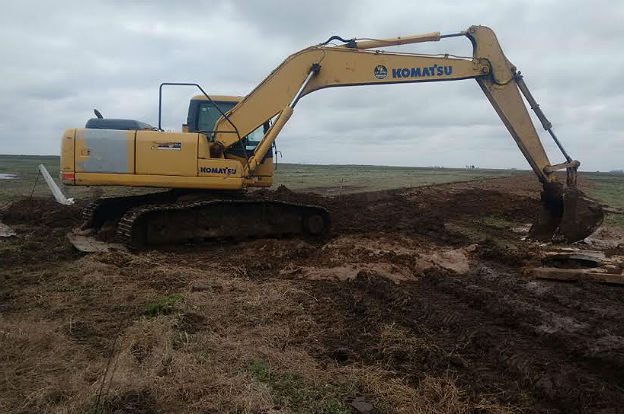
(41, 225)
(423, 211)
(42, 211)
(480, 203)
(385, 211)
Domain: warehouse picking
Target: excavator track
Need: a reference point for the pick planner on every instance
(192, 222)
(96, 214)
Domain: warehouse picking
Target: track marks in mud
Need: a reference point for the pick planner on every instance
(490, 336)
(545, 344)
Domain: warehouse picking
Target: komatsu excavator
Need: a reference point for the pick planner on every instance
(226, 146)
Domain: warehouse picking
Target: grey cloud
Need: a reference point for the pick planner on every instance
(60, 60)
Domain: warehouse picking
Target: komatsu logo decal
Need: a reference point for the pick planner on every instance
(425, 71)
(214, 170)
(380, 72)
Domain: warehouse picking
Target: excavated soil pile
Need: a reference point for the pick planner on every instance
(413, 211)
(45, 212)
(416, 302)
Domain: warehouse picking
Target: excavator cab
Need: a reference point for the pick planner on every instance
(203, 115)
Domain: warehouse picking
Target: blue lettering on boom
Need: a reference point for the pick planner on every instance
(424, 72)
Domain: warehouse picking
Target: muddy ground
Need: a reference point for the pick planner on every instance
(419, 301)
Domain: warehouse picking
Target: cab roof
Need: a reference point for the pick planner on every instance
(219, 98)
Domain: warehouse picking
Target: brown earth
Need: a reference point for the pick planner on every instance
(417, 302)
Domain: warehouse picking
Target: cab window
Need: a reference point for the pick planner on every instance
(208, 115)
(253, 139)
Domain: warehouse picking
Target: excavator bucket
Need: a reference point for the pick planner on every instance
(581, 215)
(567, 215)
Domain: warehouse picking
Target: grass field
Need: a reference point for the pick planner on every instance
(352, 178)
(610, 190)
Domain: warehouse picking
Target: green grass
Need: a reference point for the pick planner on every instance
(615, 220)
(335, 179)
(609, 188)
(497, 222)
(161, 306)
(25, 169)
(291, 392)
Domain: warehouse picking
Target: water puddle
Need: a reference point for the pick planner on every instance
(8, 176)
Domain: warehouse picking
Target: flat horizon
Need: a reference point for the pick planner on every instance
(362, 165)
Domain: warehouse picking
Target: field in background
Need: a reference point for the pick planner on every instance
(609, 188)
(334, 179)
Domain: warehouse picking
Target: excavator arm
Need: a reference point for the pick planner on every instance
(322, 67)
(354, 63)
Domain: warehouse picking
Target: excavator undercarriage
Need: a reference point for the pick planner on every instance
(177, 217)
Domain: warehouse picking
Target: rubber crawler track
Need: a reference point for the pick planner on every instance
(112, 208)
(179, 223)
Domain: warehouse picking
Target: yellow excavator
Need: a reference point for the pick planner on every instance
(226, 146)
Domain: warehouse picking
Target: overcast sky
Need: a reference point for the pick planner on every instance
(62, 59)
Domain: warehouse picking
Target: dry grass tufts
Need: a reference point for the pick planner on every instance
(432, 394)
(157, 366)
(42, 371)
